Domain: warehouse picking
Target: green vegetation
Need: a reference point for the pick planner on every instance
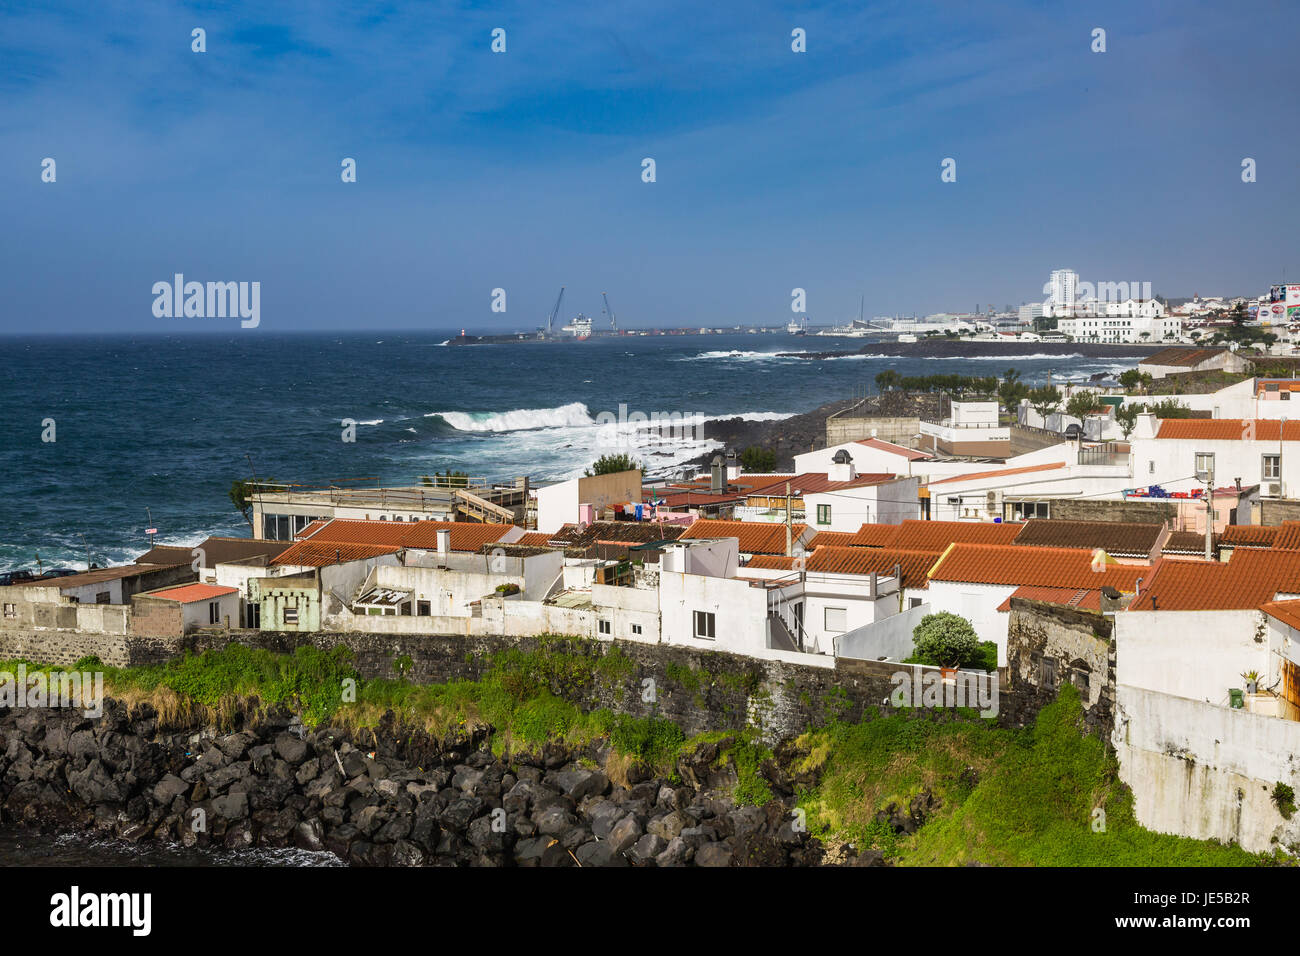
(1004, 797)
(758, 461)
(1284, 798)
(1048, 794)
(241, 494)
(1045, 399)
(1127, 416)
(609, 464)
(945, 640)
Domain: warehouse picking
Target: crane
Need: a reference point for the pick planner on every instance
(550, 321)
(613, 322)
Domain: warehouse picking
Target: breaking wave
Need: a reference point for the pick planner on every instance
(520, 419)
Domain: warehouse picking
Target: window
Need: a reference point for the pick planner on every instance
(291, 611)
(704, 625)
(603, 627)
(253, 615)
(1047, 672)
(1080, 678)
(214, 612)
(11, 610)
(636, 628)
(1151, 468)
(1272, 467)
(103, 597)
(423, 608)
(1204, 463)
(406, 609)
(836, 619)
(823, 514)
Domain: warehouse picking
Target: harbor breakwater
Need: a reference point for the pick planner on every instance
(388, 795)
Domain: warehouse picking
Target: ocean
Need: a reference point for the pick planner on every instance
(153, 425)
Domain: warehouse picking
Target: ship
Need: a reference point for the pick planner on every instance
(798, 326)
(580, 327)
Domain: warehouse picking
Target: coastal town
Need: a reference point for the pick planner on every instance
(1135, 537)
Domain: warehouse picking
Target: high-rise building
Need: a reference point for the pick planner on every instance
(1062, 290)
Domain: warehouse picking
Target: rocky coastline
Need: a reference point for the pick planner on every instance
(392, 796)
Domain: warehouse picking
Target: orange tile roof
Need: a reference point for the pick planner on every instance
(913, 565)
(1087, 599)
(1205, 586)
(1227, 429)
(465, 535)
(911, 454)
(534, 539)
(915, 534)
(823, 538)
(1287, 537)
(1288, 612)
(814, 482)
(320, 554)
(1002, 472)
(190, 593)
(756, 537)
(1248, 535)
(771, 562)
(1028, 565)
(874, 536)
(1280, 568)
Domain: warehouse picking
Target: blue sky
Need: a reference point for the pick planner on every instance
(522, 170)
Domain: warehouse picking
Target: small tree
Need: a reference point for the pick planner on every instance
(759, 461)
(1080, 405)
(888, 379)
(1045, 400)
(241, 496)
(945, 640)
(1131, 379)
(609, 464)
(1126, 416)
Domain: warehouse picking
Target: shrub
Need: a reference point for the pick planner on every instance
(945, 640)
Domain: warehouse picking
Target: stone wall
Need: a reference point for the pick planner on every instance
(901, 431)
(699, 690)
(1277, 510)
(1138, 512)
(63, 647)
(156, 617)
(1073, 645)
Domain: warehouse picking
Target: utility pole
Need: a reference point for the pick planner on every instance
(1209, 515)
(788, 545)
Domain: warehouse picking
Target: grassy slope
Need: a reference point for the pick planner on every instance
(1006, 797)
(1031, 801)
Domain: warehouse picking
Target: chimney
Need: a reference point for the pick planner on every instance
(841, 468)
(444, 540)
(717, 476)
(733, 465)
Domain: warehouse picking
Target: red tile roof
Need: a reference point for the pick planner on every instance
(190, 593)
(1287, 537)
(912, 565)
(1248, 535)
(1087, 599)
(756, 537)
(1043, 567)
(814, 482)
(874, 536)
(771, 562)
(917, 535)
(1002, 473)
(911, 454)
(534, 539)
(1288, 612)
(1205, 586)
(1126, 538)
(320, 554)
(824, 538)
(1227, 429)
(465, 535)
